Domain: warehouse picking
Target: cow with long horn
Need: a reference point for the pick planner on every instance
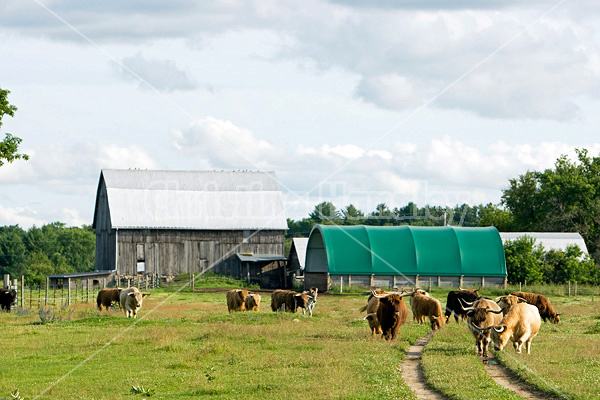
(481, 314)
(520, 325)
(453, 304)
(391, 313)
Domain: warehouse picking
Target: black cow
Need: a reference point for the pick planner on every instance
(7, 299)
(453, 303)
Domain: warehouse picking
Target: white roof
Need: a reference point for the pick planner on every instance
(300, 245)
(549, 240)
(215, 200)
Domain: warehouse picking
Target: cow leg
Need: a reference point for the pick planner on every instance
(486, 344)
(528, 345)
(456, 317)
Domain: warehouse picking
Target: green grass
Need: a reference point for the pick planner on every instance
(190, 347)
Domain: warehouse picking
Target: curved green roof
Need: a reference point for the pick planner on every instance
(405, 250)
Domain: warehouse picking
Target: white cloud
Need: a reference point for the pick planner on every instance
(224, 145)
(162, 75)
(22, 216)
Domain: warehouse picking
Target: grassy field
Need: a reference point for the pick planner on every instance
(188, 346)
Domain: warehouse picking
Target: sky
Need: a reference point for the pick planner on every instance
(353, 102)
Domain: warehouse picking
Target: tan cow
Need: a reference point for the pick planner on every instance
(412, 306)
(425, 306)
(252, 302)
(131, 301)
(481, 314)
(520, 325)
(507, 302)
(236, 300)
(106, 296)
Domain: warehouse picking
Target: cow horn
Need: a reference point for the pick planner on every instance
(497, 299)
(499, 329)
(459, 288)
(377, 295)
(470, 306)
(521, 300)
(494, 311)
(480, 329)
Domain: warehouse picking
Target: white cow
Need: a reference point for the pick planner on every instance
(131, 301)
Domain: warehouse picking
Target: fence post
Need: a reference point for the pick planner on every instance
(88, 290)
(520, 287)
(569, 288)
(429, 287)
(575, 288)
(22, 291)
(47, 287)
(193, 282)
(6, 282)
(341, 283)
(68, 291)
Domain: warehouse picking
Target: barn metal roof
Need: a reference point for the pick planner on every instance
(549, 240)
(260, 257)
(405, 250)
(214, 200)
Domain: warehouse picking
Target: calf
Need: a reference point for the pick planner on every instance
(288, 300)
(252, 302)
(106, 296)
(236, 300)
(425, 306)
(543, 305)
(520, 325)
(482, 314)
(8, 297)
(391, 314)
(131, 301)
(453, 302)
(371, 309)
(312, 300)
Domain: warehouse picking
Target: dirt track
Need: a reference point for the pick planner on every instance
(413, 374)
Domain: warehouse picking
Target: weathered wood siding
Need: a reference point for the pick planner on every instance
(175, 252)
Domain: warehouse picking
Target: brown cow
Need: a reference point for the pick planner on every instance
(412, 305)
(425, 306)
(252, 302)
(391, 314)
(288, 300)
(509, 301)
(482, 314)
(520, 325)
(106, 296)
(542, 303)
(371, 309)
(236, 300)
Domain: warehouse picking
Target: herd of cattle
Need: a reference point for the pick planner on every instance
(515, 317)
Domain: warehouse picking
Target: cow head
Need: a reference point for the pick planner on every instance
(436, 322)
(136, 299)
(509, 301)
(556, 318)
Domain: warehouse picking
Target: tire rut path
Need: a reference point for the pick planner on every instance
(412, 373)
(509, 380)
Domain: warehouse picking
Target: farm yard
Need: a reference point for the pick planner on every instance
(186, 345)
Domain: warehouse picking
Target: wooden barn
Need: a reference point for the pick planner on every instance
(178, 222)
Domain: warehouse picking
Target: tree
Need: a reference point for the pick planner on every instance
(353, 216)
(493, 215)
(9, 147)
(325, 212)
(524, 260)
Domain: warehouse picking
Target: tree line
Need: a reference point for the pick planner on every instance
(51, 249)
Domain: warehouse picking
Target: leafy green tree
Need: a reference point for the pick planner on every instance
(9, 147)
(38, 267)
(381, 216)
(493, 215)
(524, 260)
(300, 228)
(13, 252)
(569, 265)
(324, 213)
(352, 216)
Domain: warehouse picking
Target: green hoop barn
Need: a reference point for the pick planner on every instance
(387, 257)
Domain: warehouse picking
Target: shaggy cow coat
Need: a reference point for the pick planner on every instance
(482, 314)
(391, 314)
(252, 302)
(236, 300)
(543, 305)
(425, 306)
(106, 296)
